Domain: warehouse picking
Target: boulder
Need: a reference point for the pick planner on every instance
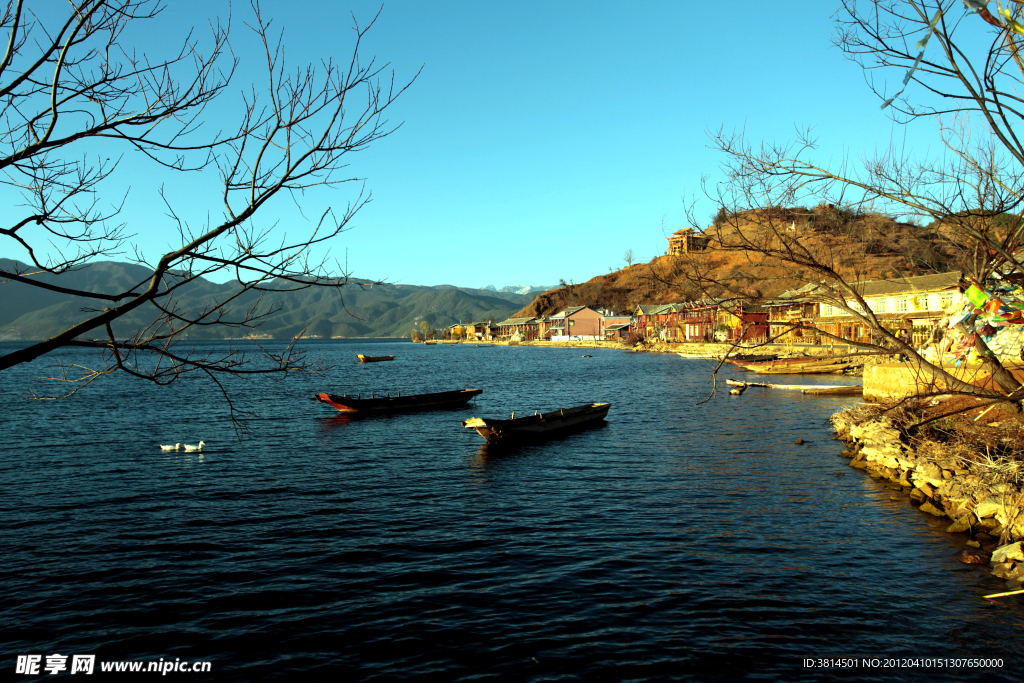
(987, 524)
(925, 489)
(961, 525)
(1000, 569)
(988, 508)
(1008, 552)
(931, 509)
(1007, 516)
(918, 496)
(929, 473)
(973, 557)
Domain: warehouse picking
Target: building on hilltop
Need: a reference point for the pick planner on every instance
(686, 240)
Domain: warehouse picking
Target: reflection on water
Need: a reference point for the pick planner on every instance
(674, 540)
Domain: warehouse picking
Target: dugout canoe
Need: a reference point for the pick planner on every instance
(796, 369)
(538, 426)
(815, 390)
(397, 403)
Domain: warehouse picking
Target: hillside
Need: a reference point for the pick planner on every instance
(858, 247)
(361, 310)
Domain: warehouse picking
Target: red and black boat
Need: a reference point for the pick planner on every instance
(398, 403)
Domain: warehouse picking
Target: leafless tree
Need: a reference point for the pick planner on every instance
(81, 93)
(629, 257)
(971, 196)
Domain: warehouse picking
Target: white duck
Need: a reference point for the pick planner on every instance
(195, 448)
(175, 447)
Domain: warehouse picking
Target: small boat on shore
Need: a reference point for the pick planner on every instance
(538, 426)
(373, 359)
(739, 358)
(393, 404)
(797, 369)
(815, 390)
(803, 365)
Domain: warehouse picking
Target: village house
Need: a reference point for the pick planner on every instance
(791, 311)
(685, 241)
(519, 329)
(478, 330)
(658, 321)
(912, 303)
(578, 322)
(742, 323)
(615, 327)
(697, 321)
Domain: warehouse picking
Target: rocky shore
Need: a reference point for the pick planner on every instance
(964, 472)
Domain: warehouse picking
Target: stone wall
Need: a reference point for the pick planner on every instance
(893, 381)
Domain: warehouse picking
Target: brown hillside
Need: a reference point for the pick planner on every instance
(858, 247)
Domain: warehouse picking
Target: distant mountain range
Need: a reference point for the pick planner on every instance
(519, 289)
(359, 310)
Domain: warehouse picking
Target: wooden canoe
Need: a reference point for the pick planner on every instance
(743, 358)
(398, 403)
(538, 426)
(373, 359)
(799, 369)
(815, 390)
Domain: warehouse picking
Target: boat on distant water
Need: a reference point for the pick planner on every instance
(537, 426)
(393, 404)
(430, 343)
(373, 359)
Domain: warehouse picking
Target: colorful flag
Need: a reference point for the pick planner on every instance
(976, 296)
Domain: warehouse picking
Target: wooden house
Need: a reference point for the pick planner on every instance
(659, 321)
(519, 329)
(916, 304)
(791, 312)
(697, 321)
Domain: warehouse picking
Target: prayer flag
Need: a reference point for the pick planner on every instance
(976, 296)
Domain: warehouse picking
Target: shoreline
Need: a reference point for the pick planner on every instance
(687, 349)
(978, 493)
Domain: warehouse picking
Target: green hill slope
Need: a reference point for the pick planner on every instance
(358, 310)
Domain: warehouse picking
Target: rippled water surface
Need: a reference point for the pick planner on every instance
(681, 540)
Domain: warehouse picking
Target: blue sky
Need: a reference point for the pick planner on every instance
(544, 139)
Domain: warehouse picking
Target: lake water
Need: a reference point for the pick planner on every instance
(681, 540)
